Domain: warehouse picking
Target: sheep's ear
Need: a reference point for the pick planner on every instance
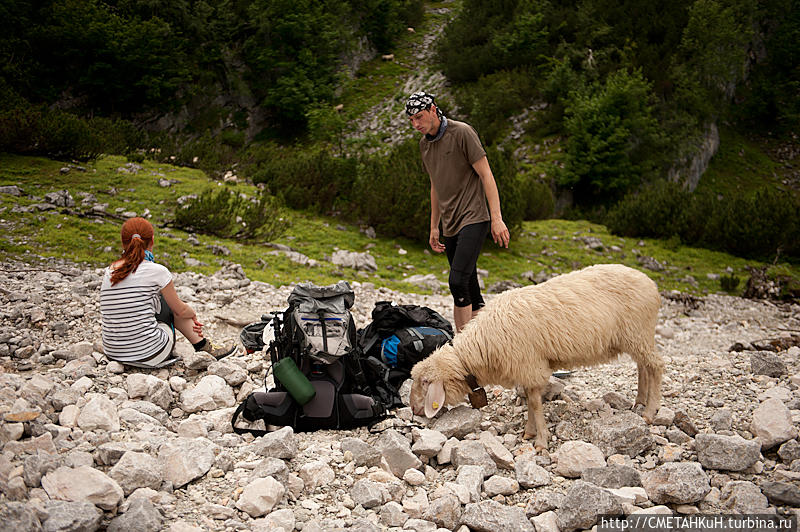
(434, 398)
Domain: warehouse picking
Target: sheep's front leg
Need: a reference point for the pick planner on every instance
(644, 385)
(535, 425)
(654, 374)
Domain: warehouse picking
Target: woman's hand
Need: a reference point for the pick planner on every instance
(197, 326)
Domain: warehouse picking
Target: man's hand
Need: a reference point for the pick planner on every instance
(500, 233)
(437, 246)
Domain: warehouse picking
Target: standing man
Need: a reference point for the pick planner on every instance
(461, 185)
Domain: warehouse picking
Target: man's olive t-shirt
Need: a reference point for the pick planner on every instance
(448, 162)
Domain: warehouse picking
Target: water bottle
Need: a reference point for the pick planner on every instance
(297, 384)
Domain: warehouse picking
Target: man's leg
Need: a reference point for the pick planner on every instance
(461, 315)
(475, 292)
(462, 253)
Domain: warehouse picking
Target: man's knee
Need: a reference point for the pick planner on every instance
(459, 287)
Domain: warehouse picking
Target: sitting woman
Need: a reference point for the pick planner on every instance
(141, 308)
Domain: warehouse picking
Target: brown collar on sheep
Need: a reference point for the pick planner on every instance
(477, 395)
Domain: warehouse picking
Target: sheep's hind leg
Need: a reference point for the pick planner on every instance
(535, 425)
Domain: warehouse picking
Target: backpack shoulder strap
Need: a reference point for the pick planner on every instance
(240, 430)
(368, 338)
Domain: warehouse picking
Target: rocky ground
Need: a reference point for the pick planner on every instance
(88, 444)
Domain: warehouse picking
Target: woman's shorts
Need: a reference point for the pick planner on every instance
(164, 357)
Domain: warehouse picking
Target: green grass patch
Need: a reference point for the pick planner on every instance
(376, 80)
(740, 167)
(551, 246)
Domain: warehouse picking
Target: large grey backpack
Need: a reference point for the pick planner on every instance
(318, 332)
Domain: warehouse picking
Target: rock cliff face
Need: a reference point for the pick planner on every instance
(86, 443)
(689, 169)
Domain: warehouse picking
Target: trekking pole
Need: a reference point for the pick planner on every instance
(275, 344)
(321, 314)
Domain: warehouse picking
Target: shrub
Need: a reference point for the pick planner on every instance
(729, 283)
(35, 129)
(226, 214)
(232, 138)
(384, 20)
(762, 225)
(537, 198)
(612, 136)
(488, 36)
(393, 192)
(211, 213)
(304, 179)
(135, 157)
(326, 124)
(206, 152)
(660, 210)
(494, 98)
(38, 130)
(264, 218)
(119, 136)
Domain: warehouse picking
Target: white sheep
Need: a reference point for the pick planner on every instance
(521, 336)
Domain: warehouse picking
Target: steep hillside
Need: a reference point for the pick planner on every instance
(581, 112)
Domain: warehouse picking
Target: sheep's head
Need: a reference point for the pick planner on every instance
(436, 382)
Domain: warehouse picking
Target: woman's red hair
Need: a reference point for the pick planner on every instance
(133, 248)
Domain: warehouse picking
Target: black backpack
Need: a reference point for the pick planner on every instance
(318, 333)
(399, 337)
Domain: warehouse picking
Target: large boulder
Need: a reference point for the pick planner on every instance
(676, 483)
(583, 504)
(65, 516)
(623, 433)
(211, 393)
(772, 423)
(136, 470)
(726, 453)
(260, 496)
(100, 413)
(83, 484)
(396, 451)
(490, 516)
(186, 459)
(576, 456)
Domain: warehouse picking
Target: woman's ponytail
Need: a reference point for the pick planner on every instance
(137, 236)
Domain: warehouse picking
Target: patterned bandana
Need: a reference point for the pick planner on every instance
(419, 101)
(440, 133)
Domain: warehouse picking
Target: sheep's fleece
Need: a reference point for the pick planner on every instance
(581, 318)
